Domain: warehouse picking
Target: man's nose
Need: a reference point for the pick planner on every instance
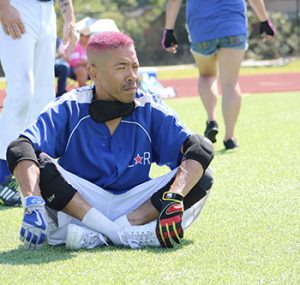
(132, 75)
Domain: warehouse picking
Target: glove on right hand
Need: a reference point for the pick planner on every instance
(168, 226)
(267, 27)
(33, 230)
(168, 39)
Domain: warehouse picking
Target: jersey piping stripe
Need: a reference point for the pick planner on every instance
(135, 123)
(75, 130)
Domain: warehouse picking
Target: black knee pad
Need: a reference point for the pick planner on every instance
(55, 190)
(198, 148)
(196, 194)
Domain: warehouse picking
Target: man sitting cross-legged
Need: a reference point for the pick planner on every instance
(83, 166)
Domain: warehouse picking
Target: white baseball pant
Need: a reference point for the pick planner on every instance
(28, 64)
(111, 205)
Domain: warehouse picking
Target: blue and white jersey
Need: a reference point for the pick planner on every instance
(118, 162)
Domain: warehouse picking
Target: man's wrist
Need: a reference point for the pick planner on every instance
(4, 6)
(172, 196)
(30, 201)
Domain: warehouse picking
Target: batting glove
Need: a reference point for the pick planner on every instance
(267, 27)
(168, 226)
(168, 39)
(33, 230)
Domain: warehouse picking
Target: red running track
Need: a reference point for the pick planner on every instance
(249, 84)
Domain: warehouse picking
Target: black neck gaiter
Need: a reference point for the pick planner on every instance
(102, 111)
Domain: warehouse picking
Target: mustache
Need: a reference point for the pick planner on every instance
(130, 85)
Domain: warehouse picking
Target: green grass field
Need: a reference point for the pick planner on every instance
(248, 232)
(190, 71)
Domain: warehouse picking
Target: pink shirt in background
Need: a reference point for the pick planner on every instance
(78, 55)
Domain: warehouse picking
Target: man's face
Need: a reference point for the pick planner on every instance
(116, 74)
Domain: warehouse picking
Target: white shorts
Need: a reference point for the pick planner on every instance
(111, 205)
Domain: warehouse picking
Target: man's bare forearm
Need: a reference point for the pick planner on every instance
(66, 9)
(27, 174)
(188, 174)
(69, 31)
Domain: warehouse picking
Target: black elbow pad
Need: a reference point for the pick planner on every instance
(19, 149)
(198, 148)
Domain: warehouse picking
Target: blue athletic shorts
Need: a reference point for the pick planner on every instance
(210, 47)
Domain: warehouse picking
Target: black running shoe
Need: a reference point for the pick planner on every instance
(211, 131)
(10, 193)
(230, 144)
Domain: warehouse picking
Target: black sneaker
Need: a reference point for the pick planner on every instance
(10, 193)
(230, 144)
(211, 131)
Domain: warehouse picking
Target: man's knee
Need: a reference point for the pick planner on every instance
(55, 190)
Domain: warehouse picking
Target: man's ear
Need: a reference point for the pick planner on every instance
(91, 68)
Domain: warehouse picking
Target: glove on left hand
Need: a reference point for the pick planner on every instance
(168, 226)
(33, 230)
(168, 39)
(267, 27)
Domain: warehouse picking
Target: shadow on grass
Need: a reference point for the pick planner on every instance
(28, 257)
(47, 254)
(161, 250)
(225, 151)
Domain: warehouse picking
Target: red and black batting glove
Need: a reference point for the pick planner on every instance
(168, 39)
(168, 226)
(267, 28)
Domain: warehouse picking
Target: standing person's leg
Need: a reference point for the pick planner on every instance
(17, 58)
(229, 66)
(62, 72)
(44, 58)
(208, 90)
(17, 61)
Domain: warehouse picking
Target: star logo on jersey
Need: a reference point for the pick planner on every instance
(143, 159)
(138, 159)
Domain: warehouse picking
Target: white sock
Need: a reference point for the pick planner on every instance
(123, 221)
(96, 221)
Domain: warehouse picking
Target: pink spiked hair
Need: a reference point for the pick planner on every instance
(109, 40)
